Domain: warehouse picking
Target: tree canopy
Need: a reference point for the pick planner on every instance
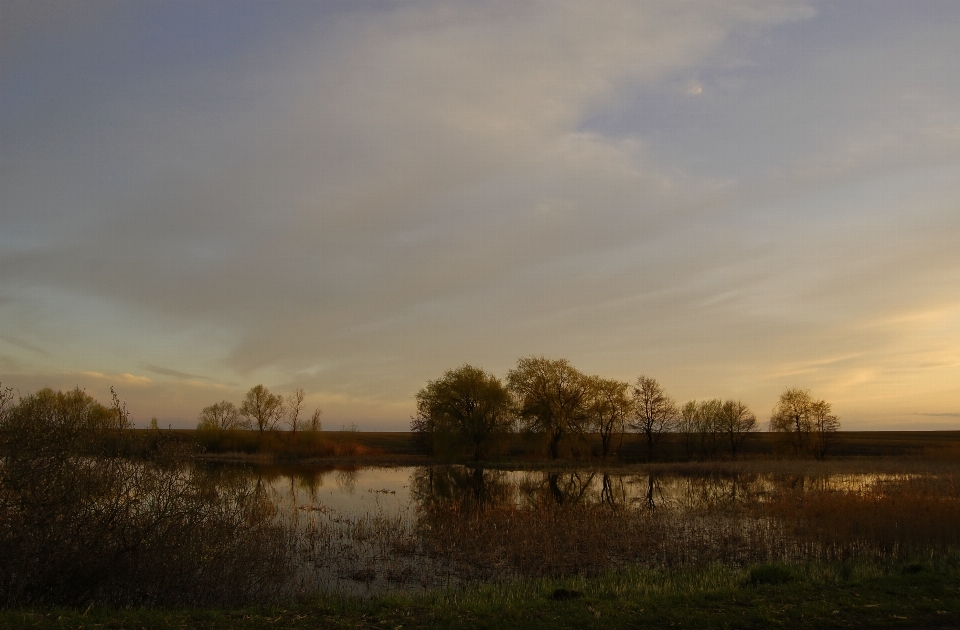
(807, 425)
(654, 413)
(550, 395)
(263, 409)
(466, 407)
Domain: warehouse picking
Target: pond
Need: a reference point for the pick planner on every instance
(370, 530)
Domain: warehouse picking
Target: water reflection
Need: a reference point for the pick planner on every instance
(367, 530)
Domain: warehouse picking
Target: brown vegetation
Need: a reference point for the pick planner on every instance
(80, 522)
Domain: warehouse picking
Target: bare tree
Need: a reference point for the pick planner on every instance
(465, 406)
(738, 422)
(262, 408)
(654, 413)
(294, 407)
(550, 395)
(607, 408)
(221, 416)
(313, 425)
(824, 427)
(688, 426)
(709, 426)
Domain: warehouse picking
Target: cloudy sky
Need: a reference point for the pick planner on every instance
(351, 197)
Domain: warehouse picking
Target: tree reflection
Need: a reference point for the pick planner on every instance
(613, 492)
(466, 489)
(654, 492)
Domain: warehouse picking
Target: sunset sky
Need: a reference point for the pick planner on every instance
(351, 197)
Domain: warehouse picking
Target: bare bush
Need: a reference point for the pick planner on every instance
(79, 523)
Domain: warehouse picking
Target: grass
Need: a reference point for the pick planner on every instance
(917, 594)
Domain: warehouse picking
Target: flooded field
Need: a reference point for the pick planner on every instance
(370, 530)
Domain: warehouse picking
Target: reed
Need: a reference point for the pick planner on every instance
(470, 528)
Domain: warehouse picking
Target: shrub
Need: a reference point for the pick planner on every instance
(80, 523)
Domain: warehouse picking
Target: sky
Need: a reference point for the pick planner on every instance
(733, 197)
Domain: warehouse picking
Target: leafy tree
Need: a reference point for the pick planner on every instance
(654, 413)
(465, 407)
(806, 424)
(550, 395)
(262, 408)
(221, 416)
(607, 409)
(53, 424)
(791, 418)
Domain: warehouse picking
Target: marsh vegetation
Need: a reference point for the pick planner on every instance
(92, 511)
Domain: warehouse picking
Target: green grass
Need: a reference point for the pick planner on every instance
(876, 595)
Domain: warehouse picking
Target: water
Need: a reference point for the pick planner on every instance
(370, 530)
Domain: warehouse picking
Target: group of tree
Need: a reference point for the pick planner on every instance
(260, 410)
(805, 425)
(710, 427)
(466, 411)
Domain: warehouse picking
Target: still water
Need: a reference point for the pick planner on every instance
(370, 530)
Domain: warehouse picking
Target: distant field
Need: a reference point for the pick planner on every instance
(399, 444)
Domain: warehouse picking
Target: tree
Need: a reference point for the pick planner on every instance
(688, 425)
(806, 424)
(294, 407)
(654, 413)
(791, 417)
(465, 407)
(709, 427)
(550, 395)
(221, 416)
(824, 426)
(313, 425)
(262, 408)
(702, 426)
(737, 423)
(607, 409)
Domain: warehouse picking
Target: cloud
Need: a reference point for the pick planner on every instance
(22, 344)
(365, 195)
(127, 379)
(174, 373)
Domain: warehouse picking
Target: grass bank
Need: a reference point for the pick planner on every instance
(918, 594)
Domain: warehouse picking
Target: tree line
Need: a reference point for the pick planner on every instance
(467, 410)
(262, 410)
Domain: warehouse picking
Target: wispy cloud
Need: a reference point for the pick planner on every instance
(125, 378)
(22, 344)
(174, 373)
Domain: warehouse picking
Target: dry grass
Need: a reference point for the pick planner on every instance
(79, 522)
(480, 526)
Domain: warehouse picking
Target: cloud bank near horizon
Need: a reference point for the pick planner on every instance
(733, 197)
